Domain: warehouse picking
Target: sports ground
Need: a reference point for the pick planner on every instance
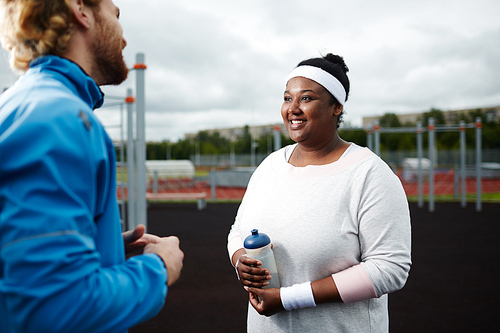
(453, 284)
(446, 183)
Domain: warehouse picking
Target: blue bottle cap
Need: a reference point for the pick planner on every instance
(256, 240)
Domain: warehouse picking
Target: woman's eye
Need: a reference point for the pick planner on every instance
(287, 99)
(306, 98)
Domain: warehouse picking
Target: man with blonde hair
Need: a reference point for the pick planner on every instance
(62, 253)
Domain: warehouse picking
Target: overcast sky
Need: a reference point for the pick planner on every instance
(222, 63)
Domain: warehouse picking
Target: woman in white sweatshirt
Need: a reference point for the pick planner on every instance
(337, 216)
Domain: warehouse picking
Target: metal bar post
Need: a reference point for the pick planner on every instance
(369, 138)
(431, 129)
(462, 164)
(420, 156)
(122, 171)
(252, 152)
(197, 156)
(131, 217)
(277, 138)
(478, 164)
(376, 128)
(140, 69)
(155, 182)
(232, 157)
(212, 184)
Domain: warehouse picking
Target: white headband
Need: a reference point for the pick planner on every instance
(327, 80)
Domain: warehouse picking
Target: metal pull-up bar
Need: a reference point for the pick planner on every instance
(431, 130)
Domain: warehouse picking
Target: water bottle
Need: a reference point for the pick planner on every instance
(258, 246)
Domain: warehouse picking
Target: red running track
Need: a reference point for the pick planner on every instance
(190, 186)
(443, 185)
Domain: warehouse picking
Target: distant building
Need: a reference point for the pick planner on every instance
(451, 116)
(235, 132)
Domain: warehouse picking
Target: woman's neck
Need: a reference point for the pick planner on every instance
(326, 154)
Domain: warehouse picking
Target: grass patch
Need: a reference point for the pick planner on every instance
(485, 197)
(201, 173)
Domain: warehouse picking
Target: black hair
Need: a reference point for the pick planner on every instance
(335, 65)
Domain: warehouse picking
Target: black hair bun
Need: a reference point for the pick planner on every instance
(336, 59)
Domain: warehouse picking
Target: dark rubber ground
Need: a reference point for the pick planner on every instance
(453, 284)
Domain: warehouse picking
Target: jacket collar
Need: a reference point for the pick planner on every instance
(84, 85)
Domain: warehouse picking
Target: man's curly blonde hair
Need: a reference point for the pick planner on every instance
(32, 28)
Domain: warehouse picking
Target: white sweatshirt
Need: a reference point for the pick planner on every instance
(349, 219)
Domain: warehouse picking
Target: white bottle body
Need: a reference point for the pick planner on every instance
(266, 256)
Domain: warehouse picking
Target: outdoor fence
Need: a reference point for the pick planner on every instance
(444, 158)
(223, 182)
(227, 160)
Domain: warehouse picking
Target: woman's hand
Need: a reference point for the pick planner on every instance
(250, 272)
(267, 302)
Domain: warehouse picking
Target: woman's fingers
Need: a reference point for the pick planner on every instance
(251, 274)
(255, 280)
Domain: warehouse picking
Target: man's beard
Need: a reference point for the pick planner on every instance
(109, 66)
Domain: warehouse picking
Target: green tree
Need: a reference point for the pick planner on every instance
(215, 144)
(285, 139)
(152, 150)
(478, 113)
(406, 141)
(243, 144)
(356, 136)
(265, 143)
(438, 115)
(490, 131)
(182, 149)
(212, 143)
(448, 140)
(389, 120)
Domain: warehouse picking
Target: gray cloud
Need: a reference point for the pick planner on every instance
(223, 63)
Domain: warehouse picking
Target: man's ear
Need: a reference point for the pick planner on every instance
(82, 14)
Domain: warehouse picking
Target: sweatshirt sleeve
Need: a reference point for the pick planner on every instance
(384, 229)
(52, 277)
(234, 241)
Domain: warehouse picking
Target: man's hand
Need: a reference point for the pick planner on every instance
(267, 302)
(169, 251)
(135, 240)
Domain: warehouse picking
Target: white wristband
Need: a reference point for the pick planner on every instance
(297, 296)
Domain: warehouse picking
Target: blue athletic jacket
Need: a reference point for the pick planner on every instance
(62, 262)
